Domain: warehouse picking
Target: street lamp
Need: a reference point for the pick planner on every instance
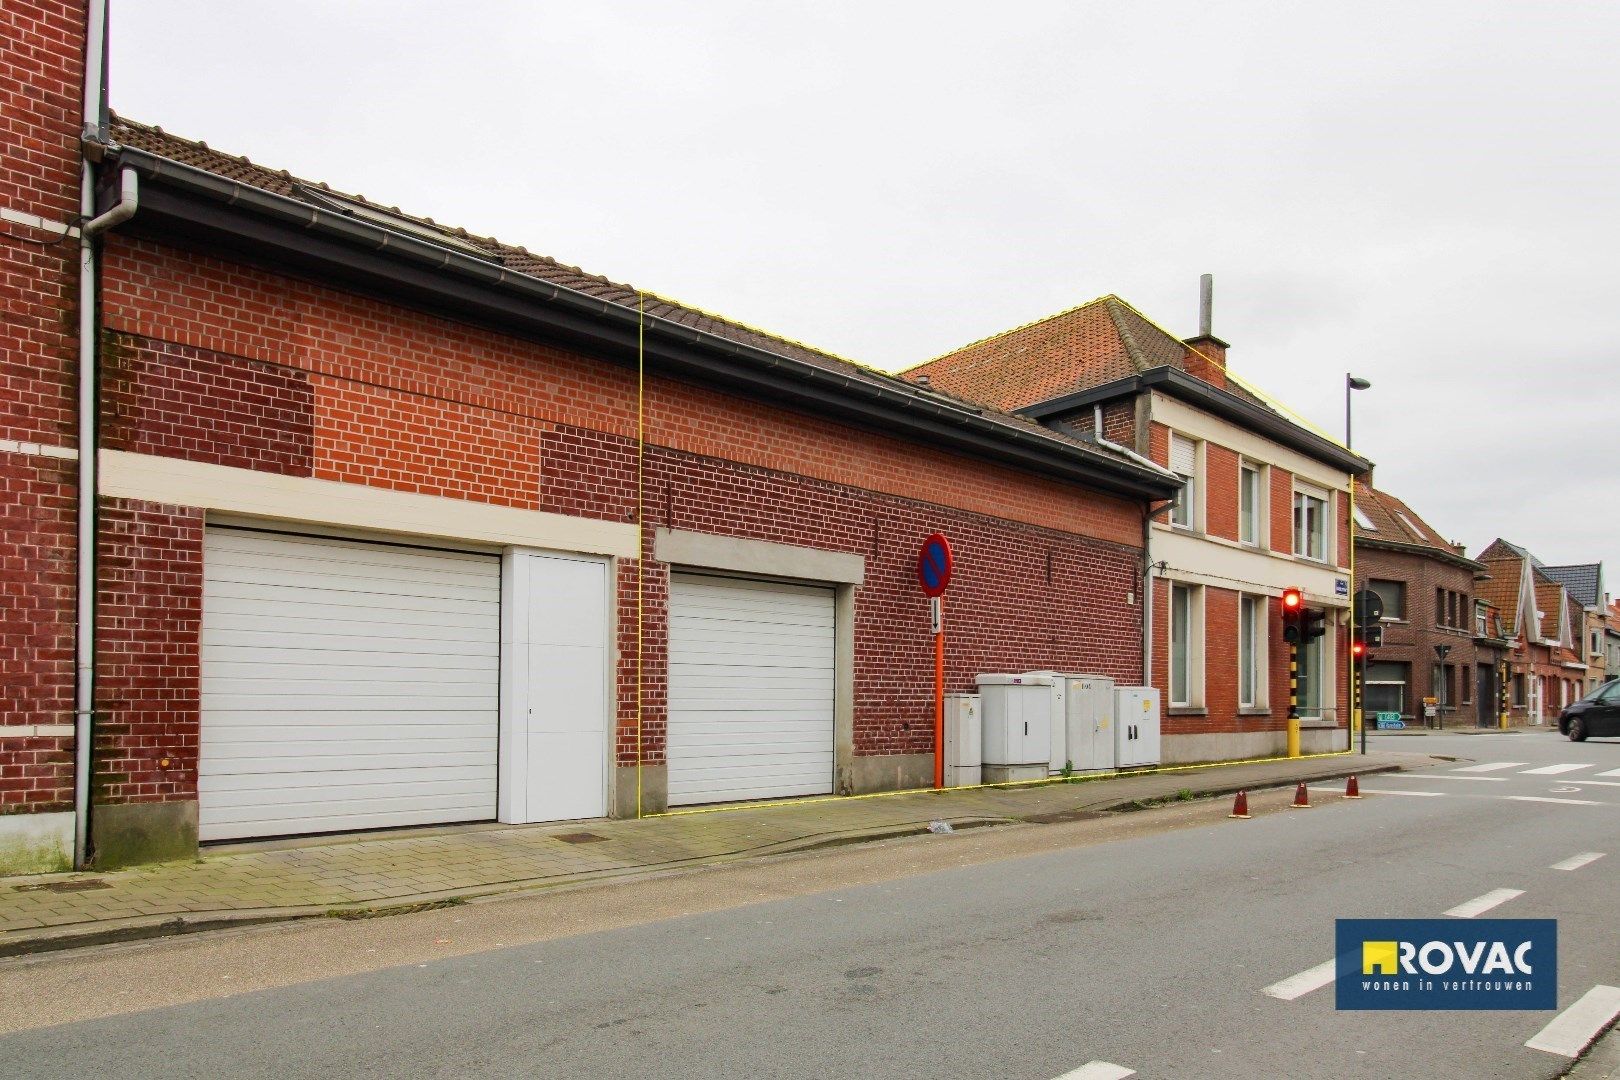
(1357, 713)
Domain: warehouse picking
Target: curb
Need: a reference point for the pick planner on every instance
(24, 943)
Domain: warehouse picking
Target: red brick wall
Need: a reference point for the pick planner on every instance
(1220, 491)
(178, 401)
(1047, 575)
(1282, 510)
(1412, 639)
(160, 292)
(148, 619)
(40, 88)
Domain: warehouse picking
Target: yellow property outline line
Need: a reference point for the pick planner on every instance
(1082, 778)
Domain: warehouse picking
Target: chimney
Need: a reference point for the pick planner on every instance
(1206, 353)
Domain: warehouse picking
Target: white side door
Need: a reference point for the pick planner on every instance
(555, 700)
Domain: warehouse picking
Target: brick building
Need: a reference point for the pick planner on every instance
(397, 525)
(1546, 668)
(1427, 585)
(1264, 506)
(1584, 583)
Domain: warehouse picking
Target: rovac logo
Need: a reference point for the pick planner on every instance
(1446, 964)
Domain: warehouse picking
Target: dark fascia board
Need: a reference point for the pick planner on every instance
(215, 212)
(1227, 406)
(1449, 558)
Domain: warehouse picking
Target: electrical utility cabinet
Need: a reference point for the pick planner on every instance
(1017, 718)
(1136, 726)
(964, 739)
(1060, 691)
(1089, 722)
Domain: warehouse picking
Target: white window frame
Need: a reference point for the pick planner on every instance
(1190, 498)
(1327, 684)
(1253, 665)
(1194, 697)
(1262, 503)
(1304, 491)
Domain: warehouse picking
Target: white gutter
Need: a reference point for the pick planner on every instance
(89, 323)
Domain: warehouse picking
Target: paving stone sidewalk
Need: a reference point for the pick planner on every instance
(357, 874)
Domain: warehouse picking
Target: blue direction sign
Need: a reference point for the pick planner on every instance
(934, 565)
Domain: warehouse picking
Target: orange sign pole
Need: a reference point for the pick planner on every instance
(939, 691)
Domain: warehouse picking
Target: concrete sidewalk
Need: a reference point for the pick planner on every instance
(354, 876)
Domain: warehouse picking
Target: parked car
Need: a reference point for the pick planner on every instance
(1598, 713)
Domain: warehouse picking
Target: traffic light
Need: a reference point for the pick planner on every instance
(1373, 636)
(1315, 624)
(1293, 606)
(1358, 648)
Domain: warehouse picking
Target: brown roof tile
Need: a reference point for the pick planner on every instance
(1094, 344)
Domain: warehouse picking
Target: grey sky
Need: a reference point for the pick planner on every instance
(1425, 193)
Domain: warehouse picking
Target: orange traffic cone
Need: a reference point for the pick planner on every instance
(1352, 790)
(1240, 805)
(1302, 798)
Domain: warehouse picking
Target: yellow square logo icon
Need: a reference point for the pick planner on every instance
(1378, 958)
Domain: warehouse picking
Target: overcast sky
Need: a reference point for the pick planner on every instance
(1423, 193)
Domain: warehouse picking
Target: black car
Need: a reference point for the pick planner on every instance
(1598, 713)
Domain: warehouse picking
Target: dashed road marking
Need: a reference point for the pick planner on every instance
(1575, 862)
(1611, 772)
(1479, 905)
(1554, 770)
(1395, 791)
(1492, 766)
(1566, 802)
(1579, 1024)
(1297, 986)
(1450, 776)
(1098, 1070)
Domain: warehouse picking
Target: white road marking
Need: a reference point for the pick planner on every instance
(1450, 776)
(1611, 772)
(1395, 791)
(1481, 904)
(1579, 1024)
(1297, 986)
(1566, 802)
(1098, 1070)
(1575, 862)
(1492, 766)
(1554, 770)
(1584, 782)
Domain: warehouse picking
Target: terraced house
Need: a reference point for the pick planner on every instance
(321, 516)
(1546, 667)
(1264, 506)
(1439, 641)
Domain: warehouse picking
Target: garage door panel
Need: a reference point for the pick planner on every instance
(228, 661)
(345, 685)
(751, 690)
(336, 635)
(422, 756)
(278, 605)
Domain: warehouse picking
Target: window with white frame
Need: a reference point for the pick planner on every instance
(1311, 524)
(1251, 651)
(1385, 687)
(1184, 463)
(1251, 504)
(1313, 677)
(1186, 645)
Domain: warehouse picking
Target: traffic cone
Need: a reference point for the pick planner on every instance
(1352, 790)
(1240, 805)
(1302, 798)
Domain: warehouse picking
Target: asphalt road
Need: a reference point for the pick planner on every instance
(1026, 952)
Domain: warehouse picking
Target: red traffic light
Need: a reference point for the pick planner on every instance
(1293, 599)
(1358, 648)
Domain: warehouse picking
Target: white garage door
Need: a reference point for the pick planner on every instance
(750, 690)
(345, 685)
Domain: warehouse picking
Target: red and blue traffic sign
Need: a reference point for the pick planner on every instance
(934, 565)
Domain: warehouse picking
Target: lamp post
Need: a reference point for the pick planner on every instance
(1357, 719)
